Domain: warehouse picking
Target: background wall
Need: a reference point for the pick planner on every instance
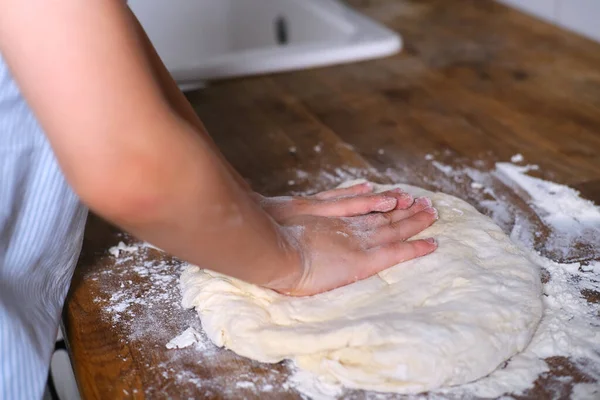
(581, 16)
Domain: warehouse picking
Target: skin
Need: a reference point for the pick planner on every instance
(132, 148)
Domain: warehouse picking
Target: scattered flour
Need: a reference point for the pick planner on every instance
(187, 338)
(444, 168)
(585, 391)
(572, 218)
(570, 329)
(327, 178)
(302, 175)
(150, 246)
(145, 312)
(147, 305)
(517, 158)
(115, 251)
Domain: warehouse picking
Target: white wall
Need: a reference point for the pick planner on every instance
(581, 16)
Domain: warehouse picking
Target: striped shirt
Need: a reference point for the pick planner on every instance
(41, 229)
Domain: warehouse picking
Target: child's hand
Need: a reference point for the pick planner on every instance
(333, 252)
(347, 202)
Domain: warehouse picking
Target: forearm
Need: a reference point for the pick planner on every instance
(120, 145)
(175, 97)
(201, 214)
(128, 144)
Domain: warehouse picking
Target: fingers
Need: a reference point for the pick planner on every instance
(405, 200)
(381, 219)
(361, 188)
(403, 229)
(383, 257)
(420, 204)
(351, 206)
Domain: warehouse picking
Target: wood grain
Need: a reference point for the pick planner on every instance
(476, 83)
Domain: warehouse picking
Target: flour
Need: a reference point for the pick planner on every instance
(128, 306)
(325, 179)
(573, 219)
(187, 338)
(149, 297)
(517, 158)
(115, 251)
(444, 168)
(569, 329)
(302, 175)
(245, 384)
(585, 391)
(145, 311)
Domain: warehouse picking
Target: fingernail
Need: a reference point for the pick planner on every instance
(431, 211)
(424, 201)
(385, 204)
(406, 196)
(430, 240)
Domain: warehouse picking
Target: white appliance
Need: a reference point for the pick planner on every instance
(201, 40)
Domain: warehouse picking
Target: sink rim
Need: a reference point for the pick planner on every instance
(367, 40)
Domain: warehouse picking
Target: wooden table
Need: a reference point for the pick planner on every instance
(475, 84)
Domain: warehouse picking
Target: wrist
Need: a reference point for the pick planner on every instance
(291, 268)
(281, 208)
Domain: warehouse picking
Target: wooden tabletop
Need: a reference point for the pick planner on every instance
(475, 84)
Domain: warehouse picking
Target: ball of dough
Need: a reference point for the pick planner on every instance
(445, 319)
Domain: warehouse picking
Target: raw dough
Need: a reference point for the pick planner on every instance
(445, 319)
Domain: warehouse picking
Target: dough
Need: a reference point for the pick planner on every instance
(444, 319)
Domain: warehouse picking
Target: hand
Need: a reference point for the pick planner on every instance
(346, 202)
(333, 252)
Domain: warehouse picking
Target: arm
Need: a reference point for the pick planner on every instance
(136, 161)
(123, 149)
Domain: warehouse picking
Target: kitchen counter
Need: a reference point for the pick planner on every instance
(476, 84)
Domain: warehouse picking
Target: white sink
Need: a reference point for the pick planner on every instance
(200, 40)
